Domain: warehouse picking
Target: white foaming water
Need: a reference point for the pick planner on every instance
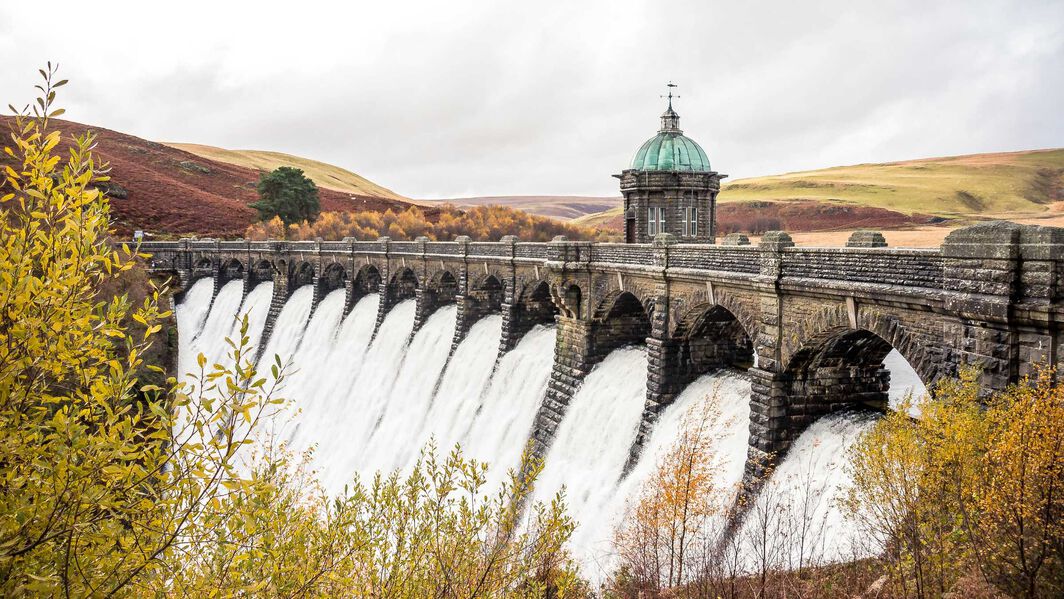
(798, 505)
(374, 407)
(190, 315)
(904, 383)
(257, 308)
(219, 325)
(303, 386)
(395, 441)
(592, 444)
(458, 398)
(343, 449)
(349, 349)
(503, 425)
(288, 328)
(726, 394)
(322, 403)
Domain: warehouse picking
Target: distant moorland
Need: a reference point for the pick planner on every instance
(919, 199)
(178, 189)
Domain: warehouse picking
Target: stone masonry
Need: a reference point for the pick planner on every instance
(818, 320)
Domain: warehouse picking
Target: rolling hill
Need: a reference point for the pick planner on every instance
(323, 174)
(166, 191)
(190, 189)
(561, 207)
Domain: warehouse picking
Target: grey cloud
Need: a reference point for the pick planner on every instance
(460, 98)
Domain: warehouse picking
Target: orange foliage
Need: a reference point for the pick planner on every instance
(483, 223)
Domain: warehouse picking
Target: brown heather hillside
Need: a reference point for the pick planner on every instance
(167, 192)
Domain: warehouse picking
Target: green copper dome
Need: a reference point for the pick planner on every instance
(670, 149)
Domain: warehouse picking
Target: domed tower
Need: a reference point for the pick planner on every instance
(670, 187)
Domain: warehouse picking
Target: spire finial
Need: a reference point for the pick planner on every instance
(670, 85)
(670, 121)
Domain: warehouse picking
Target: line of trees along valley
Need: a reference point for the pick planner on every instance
(117, 480)
(482, 223)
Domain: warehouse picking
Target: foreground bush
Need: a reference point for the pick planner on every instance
(968, 487)
(113, 487)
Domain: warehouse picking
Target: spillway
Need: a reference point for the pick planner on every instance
(256, 307)
(458, 398)
(798, 506)
(507, 410)
(364, 406)
(592, 444)
(190, 314)
(396, 439)
(219, 323)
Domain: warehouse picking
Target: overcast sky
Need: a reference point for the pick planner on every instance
(454, 98)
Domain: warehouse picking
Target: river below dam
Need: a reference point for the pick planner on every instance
(365, 406)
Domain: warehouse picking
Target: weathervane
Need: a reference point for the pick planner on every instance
(670, 85)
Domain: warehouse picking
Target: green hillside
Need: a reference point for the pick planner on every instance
(324, 175)
(958, 187)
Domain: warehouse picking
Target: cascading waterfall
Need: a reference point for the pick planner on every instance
(365, 401)
(343, 366)
(396, 439)
(592, 444)
(219, 323)
(507, 413)
(373, 406)
(310, 359)
(459, 396)
(256, 307)
(725, 396)
(190, 314)
(798, 506)
(289, 326)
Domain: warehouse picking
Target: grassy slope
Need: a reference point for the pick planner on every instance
(324, 175)
(962, 187)
(560, 207)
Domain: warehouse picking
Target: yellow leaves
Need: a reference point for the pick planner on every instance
(965, 485)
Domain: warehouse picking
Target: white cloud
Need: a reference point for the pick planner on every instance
(439, 99)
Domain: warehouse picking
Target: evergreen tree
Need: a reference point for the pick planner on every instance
(288, 194)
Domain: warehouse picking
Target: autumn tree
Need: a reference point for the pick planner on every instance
(482, 223)
(968, 486)
(288, 194)
(661, 540)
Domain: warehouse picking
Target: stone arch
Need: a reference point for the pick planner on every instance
(439, 290)
(485, 296)
(333, 277)
(403, 285)
(833, 320)
(710, 336)
(622, 319)
(570, 300)
(230, 270)
(836, 365)
(261, 271)
(204, 267)
(625, 299)
(300, 274)
(444, 286)
(535, 303)
(367, 280)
